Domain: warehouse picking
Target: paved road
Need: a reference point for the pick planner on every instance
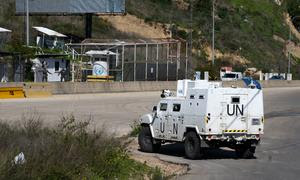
(278, 157)
(114, 112)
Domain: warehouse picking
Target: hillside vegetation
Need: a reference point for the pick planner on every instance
(243, 28)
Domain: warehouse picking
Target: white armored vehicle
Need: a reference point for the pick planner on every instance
(205, 115)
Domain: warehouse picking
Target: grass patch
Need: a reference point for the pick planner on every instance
(135, 128)
(72, 150)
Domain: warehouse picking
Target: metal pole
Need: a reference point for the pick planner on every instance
(156, 62)
(189, 46)
(178, 59)
(186, 59)
(146, 68)
(88, 25)
(134, 69)
(289, 53)
(123, 52)
(213, 34)
(168, 53)
(73, 65)
(27, 23)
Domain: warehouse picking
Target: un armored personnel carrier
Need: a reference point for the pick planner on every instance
(205, 115)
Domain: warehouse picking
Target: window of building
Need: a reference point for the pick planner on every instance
(104, 59)
(176, 107)
(192, 96)
(201, 97)
(163, 106)
(56, 65)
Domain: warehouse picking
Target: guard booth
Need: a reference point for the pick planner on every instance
(53, 62)
(102, 65)
(54, 65)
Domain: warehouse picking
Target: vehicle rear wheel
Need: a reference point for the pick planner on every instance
(245, 152)
(146, 141)
(192, 145)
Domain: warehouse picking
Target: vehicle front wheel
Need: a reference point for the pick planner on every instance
(192, 145)
(146, 141)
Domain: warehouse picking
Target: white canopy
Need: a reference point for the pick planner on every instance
(49, 32)
(104, 52)
(4, 30)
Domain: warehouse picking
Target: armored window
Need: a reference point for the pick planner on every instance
(235, 100)
(192, 96)
(201, 97)
(163, 106)
(176, 107)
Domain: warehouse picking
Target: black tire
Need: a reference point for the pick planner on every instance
(146, 141)
(245, 152)
(192, 145)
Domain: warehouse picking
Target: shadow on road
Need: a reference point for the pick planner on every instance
(177, 150)
(285, 113)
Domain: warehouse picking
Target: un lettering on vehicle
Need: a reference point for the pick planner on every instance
(235, 109)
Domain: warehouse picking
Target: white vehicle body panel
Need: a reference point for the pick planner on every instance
(209, 109)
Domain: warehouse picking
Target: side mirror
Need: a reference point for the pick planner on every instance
(154, 109)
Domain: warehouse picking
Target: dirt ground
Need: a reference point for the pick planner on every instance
(169, 169)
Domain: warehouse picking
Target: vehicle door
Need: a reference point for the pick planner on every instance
(161, 123)
(235, 110)
(176, 120)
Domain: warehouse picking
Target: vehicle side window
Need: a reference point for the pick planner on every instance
(163, 106)
(176, 107)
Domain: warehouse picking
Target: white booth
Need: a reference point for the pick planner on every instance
(103, 61)
(53, 66)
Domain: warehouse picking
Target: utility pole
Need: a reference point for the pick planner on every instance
(213, 32)
(191, 40)
(27, 23)
(289, 53)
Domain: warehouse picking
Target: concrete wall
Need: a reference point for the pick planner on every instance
(46, 89)
(96, 87)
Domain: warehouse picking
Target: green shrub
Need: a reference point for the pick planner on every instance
(72, 150)
(135, 128)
